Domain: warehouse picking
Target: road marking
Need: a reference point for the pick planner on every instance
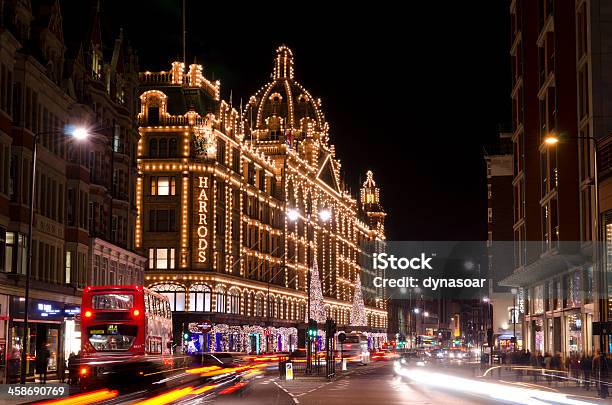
(288, 393)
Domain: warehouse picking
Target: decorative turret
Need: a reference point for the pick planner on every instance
(370, 203)
(284, 112)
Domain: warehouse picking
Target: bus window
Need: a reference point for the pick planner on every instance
(146, 303)
(112, 301)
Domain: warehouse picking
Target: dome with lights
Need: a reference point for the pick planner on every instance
(283, 110)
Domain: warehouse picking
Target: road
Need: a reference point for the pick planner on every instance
(373, 384)
(377, 383)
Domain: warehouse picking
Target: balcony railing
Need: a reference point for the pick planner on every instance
(155, 77)
(170, 120)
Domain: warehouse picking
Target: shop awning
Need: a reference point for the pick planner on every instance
(544, 268)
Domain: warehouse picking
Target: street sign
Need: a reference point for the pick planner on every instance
(289, 371)
(602, 328)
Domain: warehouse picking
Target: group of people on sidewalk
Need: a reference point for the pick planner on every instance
(584, 370)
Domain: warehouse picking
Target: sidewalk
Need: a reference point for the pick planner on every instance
(504, 374)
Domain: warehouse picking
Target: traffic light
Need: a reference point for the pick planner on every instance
(330, 327)
(186, 336)
(490, 337)
(312, 328)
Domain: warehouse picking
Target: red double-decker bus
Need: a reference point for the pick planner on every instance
(124, 329)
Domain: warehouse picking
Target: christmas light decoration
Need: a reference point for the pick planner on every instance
(358, 313)
(317, 308)
(276, 201)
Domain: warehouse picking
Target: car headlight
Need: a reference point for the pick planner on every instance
(403, 361)
(451, 355)
(420, 363)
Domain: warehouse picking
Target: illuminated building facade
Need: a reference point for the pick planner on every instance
(233, 208)
(54, 72)
(559, 72)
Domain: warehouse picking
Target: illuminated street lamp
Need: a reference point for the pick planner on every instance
(78, 133)
(551, 140)
(325, 215)
(293, 214)
(416, 310)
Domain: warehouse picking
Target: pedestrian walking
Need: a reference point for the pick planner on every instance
(586, 364)
(42, 360)
(600, 372)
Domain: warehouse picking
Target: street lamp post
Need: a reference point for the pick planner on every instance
(79, 134)
(514, 318)
(293, 215)
(551, 140)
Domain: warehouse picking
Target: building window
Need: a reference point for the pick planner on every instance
(161, 258)
(258, 305)
(221, 303)
(175, 294)
(16, 253)
(68, 267)
(235, 160)
(199, 298)
(96, 270)
(153, 115)
(153, 150)
(234, 301)
(163, 185)
(162, 220)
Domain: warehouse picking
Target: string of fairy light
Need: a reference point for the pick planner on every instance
(335, 243)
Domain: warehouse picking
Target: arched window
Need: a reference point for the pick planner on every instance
(172, 147)
(259, 305)
(153, 151)
(163, 147)
(251, 306)
(175, 294)
(234, 301)
(274, 126)
(199, 298)
(271, 305)
(221, 302)
(153, 115)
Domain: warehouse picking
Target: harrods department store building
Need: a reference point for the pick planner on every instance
(230, 211)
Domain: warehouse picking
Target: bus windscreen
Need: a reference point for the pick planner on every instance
(112, 337)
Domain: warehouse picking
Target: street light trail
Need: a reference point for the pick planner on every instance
(497, 391)
(86, 398)
(167, 397)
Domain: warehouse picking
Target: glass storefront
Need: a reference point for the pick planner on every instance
(52, 324)
(40, 334)
(538, 329)
(574, 334)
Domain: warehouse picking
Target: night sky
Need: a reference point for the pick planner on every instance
(413, 94)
